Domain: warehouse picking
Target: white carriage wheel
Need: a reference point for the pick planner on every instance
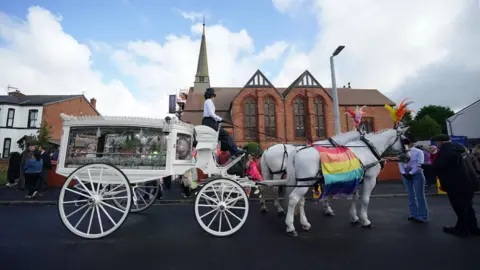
(144, 195)
(223, 208)
(92, 188)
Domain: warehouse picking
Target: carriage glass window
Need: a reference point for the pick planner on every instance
(124, 147)
(183, 147)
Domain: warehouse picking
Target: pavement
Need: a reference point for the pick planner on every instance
(168, 237)
(50, 197)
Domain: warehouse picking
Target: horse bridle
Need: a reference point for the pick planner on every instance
(375, 153)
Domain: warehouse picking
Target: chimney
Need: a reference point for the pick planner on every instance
(16, 93)
(93, 101)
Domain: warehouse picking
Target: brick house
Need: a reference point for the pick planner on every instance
(296, 114)
(22, 115)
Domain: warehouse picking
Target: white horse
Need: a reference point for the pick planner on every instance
(273, 165)
(305, 164)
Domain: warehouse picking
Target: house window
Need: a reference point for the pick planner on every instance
(32, 118)
(299, 113)
(319, 117)
(269, 116)
(368, 124)
(6, 147)
(10, 117)
(250, 119)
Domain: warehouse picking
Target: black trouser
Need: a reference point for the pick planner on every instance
(43, 183)
(31, 182)
(227, 143)
(429, 174)
(462, 204)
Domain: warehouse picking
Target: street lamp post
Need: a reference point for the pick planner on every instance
(336, 113)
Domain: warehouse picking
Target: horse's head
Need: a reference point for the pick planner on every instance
(399, 144)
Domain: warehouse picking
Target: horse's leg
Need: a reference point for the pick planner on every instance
(263, 206)
(276, 202)
(303, 218)
(327, 210)
(368, 185)
(293, 198)
(353, 208)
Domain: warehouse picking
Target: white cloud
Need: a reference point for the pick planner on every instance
(425, 50)
(193, 16)
(40, 58)
(288, 6)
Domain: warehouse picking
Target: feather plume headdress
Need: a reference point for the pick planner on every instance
(356, 115)
(397, 114)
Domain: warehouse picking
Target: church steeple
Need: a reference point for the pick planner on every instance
(202, 80)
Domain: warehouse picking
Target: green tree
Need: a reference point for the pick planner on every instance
(43, 134)
(424, 128)
(438, 113)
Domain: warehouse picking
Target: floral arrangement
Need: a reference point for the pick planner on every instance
(131, 162)
(397, 114)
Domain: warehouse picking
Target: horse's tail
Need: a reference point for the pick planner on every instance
(264, 169)
(291, 177)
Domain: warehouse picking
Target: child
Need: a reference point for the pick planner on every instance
(32, 169)
(252, 170)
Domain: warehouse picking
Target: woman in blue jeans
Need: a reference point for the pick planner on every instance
(414, 181)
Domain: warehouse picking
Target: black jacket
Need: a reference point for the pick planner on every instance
(47, 162)
(450, 169)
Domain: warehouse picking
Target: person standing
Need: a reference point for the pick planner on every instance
(26, 155)
(457, 183)
(32, 169)
(211, 119)
(414, 181)
(427, 167)
(47, 165)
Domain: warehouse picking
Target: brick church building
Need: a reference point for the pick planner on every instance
(296, 114)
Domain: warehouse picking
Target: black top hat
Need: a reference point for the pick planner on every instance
(441, 138)
(209, 92)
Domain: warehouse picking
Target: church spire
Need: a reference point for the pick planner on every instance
(202, 80)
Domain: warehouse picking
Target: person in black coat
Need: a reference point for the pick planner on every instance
(13, 172)
(47, 165)
(457, 183)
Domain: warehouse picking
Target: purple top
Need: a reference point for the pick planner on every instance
(426, 157)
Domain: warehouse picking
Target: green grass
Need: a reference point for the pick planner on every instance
(3, 178)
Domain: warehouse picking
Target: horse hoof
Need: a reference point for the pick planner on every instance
(355, 223)
(263, 210)
(281, 214)
(306, 229)
(369, 226)
(292, 233)
(329, 214)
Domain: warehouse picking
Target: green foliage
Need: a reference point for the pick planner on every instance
(438, 113)
(253, 148)
(43, 136)
(425, 128)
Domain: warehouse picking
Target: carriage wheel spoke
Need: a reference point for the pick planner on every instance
(83, 216)
(83, 185)
(231, 213)
(211, 221)
(229, 193)
(208, 213)
(222, 192)
(91, 219)
(74, 212)
(115, 198)
(79, 193)
(220, 222)
(99, 219)
(100, 179)
(207, 205)
(111, 206)
(144, 192)
(233, 200)
(76, 201)
(236, 207)
(103, 189)
(141, 197)
(208, 198)
(91, 180)
(111, 191)
(228, 221)
(107, 214)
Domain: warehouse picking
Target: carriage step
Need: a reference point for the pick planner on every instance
(272, 183)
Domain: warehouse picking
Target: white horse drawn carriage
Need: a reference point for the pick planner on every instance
(113, 165)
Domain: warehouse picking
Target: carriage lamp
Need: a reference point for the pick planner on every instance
(99, 133)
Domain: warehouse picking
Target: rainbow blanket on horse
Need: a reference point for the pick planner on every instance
(341, 169)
